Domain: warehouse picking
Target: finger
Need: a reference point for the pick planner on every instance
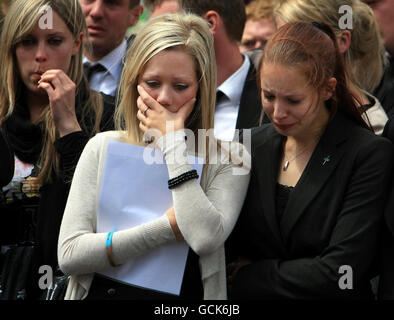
(187, 108)
(148, 100)
(141, 105)
(143, 127)
(53, 74)
(141, 117)
(48, 88)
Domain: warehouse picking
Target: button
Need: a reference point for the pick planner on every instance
(111, 291)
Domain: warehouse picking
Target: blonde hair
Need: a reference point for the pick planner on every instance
(365, 56)
(260, 9)
(22, 17)
(188, 32)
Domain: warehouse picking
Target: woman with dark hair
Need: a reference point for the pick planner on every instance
(310, 223)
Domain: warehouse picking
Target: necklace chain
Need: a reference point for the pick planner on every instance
(287, 161)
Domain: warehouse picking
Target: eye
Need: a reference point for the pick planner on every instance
(269, 97)
(152, 83)
(55, 41)
(293, 101)
(181, 86)
(26, 42)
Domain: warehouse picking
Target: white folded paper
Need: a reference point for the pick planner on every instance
(134, 192)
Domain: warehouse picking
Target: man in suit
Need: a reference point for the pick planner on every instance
(106, 45)
(238, 103)
(384, 13)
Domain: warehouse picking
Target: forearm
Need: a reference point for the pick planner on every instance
(205, 217)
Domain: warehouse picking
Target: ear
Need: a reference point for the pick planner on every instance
(329, 88)
(344, 41)
(77, 44)
(213, 19)
(134, 15)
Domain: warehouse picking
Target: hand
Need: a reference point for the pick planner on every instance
(153, 115)
(61, 94)
(171, 216)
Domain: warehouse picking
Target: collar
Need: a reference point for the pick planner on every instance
(233, 86)
(113, 61)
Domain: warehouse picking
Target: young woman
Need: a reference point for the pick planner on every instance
(170, 75)
(361, 46)
(310, 224)
(47, 115)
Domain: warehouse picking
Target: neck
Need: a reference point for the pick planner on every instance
(94, 53)
(36, 103)
(228, 59)
(312, 135)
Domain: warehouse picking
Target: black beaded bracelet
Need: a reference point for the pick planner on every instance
(192, 174)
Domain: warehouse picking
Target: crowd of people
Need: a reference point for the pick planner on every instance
(295, 198)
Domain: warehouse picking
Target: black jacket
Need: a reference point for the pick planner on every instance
(332, 218)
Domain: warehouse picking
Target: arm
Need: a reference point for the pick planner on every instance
(354, 240)
(80, 249)
(7, 161)
(205, 218)
(69, 147)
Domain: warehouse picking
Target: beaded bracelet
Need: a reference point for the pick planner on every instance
(192, 174)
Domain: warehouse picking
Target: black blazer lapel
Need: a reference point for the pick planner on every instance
(250, 105)
(323, 162)
(269, 154)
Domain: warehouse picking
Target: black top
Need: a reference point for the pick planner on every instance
(282, 197)
(104, 288)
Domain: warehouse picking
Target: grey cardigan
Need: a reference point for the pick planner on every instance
(206, 214)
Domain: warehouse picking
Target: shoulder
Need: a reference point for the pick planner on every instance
(368, 147)
(100, 140)
(260, 135)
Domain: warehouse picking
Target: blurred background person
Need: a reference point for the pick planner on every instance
(260, 24)
(106, 44)
(384, 13)
(361, 46)
(237, 99)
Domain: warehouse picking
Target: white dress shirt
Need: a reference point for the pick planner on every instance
(226, 112)
(107, 82)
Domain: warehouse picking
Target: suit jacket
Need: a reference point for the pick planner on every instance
(332, 217)
(385, 91)
(250, 105)
(386, 279)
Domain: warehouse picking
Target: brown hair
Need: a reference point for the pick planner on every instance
(312, 48)
(232, 13)
(260, 9)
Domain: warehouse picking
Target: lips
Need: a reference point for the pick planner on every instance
(36, 75)
(283, 127)
(95, 29)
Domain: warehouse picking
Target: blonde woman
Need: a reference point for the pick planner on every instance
(170, 75)
(361, 46)
(47, 115)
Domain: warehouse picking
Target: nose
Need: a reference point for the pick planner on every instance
(280, 112)
(164, 96)
(97, 9)
(41, 52)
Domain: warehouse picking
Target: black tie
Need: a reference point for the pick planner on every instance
(90, 69)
